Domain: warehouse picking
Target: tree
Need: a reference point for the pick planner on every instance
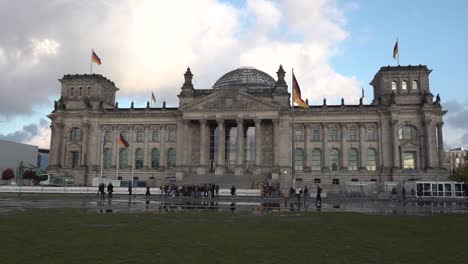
(461, 175)
(31, 175)
(8, 174)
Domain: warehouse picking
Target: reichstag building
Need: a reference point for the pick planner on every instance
(240, 131)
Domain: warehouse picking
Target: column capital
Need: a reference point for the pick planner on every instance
(440, 124)
(220, 121)
(240, 120)
(202, 121)
(257, 121)
(362, 125)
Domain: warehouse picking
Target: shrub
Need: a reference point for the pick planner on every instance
(8, 174)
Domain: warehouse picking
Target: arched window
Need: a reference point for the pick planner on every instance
(171, 158)
(81, 91)
(407, 132)
(415, 85)
(353, 160)
(107, 159)
(155, 158)
(404, 85)
(89, 91)
(139, 156)
(371, 164)
(394, 86)
(298, 159)
(334, 159)
(352, 134)
(75, 134)
(72, 91)
(123, 158)
(316, 159)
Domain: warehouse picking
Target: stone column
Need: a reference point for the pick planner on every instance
(84, 144)
(325, 151)
(146, 148)
(131, 149)
(275, 143)
(203, 147)
(362, 151)
(220, 168)
(240, 148)
(440, 144)
(395, 143)
(258, 146)
(162, 148)
(343, 149)
(56, 144)
(307, 151)
(115, 145)
(427, 126)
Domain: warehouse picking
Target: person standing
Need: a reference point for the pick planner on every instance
(318, 198)
(306, 195)
(147, 192)
(285, 195)
(110, 190)
(130, 190)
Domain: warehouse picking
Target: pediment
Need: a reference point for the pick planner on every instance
(230, 99)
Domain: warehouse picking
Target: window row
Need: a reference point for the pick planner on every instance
(139, 158)
(405, 85)
(140, 135)
(353, 134)
(334, 160)
(80, 91)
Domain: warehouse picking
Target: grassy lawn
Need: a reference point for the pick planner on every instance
(79, 236)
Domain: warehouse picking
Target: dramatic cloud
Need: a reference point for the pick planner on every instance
(456, 124)
(28, 133)
(147, 45)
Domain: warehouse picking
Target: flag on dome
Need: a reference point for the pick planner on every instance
(153, 98)
(123, 142)
(297, 94)
(95, 58)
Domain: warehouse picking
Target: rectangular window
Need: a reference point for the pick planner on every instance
(298, 135)
(371, 134)
(336, 181)
(75, 159)
(409, 160)
(171, 137)
(155, 136)
(334, 134)
(316, 135)
(107, 136)
(352, 134)
(140, 136)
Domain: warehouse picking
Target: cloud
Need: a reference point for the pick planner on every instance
(27, 133)
(455, 130)
(147, 45)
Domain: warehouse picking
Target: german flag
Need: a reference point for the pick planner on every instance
(153, 98)
(123, 142)
(95, 58)
(297, 94)
(395, 50)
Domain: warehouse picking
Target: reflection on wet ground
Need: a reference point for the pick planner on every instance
(240, 204)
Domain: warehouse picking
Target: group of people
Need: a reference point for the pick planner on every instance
(300, 194)
(102, 190)
(206, 190)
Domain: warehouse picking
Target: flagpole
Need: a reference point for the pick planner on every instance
(91, 63)
(398, 52)
(293, 139)
(102, 156)
(118, 161)
(133, 161)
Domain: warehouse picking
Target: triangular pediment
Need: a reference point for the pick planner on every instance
(230, 99)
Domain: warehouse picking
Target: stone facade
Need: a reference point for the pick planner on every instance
(396, 137)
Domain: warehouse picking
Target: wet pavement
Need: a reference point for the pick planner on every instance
(160, 204)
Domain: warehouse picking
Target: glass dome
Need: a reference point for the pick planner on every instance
(247, 77)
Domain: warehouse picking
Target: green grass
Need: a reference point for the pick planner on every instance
(79, 236)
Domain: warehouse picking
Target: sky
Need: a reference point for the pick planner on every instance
(334, 46)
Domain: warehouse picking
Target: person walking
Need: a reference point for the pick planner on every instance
(233, 191)
(147, 191)
(130, 190)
